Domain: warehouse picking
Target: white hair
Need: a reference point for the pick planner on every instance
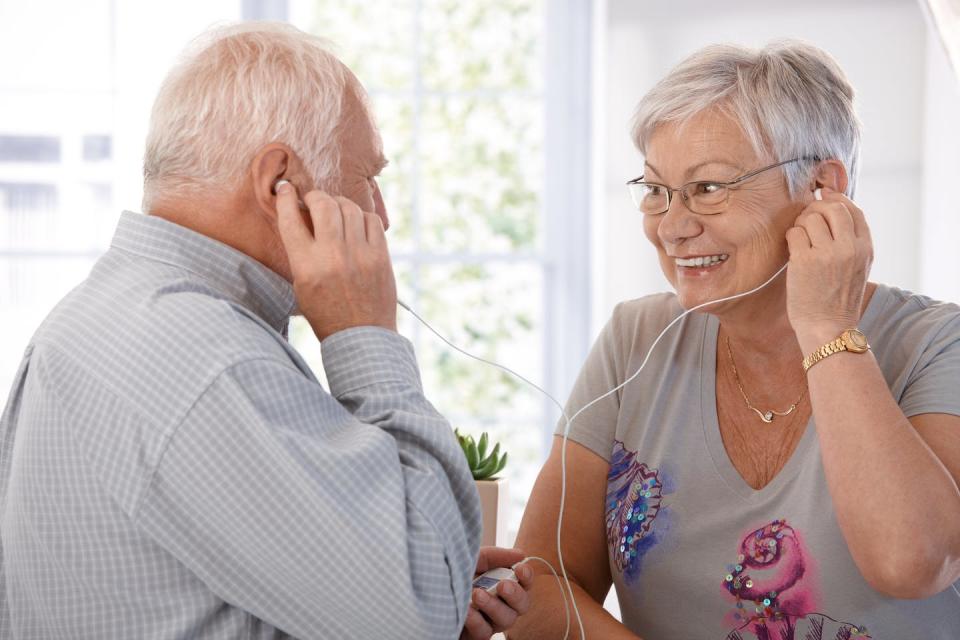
(790, 98)
(236, 89)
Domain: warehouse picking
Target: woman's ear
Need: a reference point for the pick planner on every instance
(830, 174)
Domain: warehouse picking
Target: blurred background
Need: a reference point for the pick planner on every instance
(506, 123)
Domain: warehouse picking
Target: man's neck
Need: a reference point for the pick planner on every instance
(231, 221)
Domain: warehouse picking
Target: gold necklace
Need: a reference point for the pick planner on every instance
(766, 416)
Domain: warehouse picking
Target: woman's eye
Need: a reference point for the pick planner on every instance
(707, 188)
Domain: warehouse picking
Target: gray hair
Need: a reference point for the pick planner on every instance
(790, 98)
(236, 89)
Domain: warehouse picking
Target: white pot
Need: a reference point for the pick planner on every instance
(494, 501)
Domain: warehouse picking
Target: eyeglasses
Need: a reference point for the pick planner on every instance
(706, 197)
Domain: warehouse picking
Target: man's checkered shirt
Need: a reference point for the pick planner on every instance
(171, 468)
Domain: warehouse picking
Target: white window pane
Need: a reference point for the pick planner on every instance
(376, 40)
(482, 174)
(482, 45)
(19, 148)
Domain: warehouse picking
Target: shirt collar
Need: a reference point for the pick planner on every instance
(235, 274)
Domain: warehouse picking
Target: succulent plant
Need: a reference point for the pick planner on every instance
(483, 466)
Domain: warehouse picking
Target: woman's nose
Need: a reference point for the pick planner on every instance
(678, 223)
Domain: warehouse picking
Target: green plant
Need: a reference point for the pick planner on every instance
(482, 466)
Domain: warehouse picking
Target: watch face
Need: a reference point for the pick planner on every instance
(856, 341)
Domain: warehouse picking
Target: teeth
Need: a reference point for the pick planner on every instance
(701, 261)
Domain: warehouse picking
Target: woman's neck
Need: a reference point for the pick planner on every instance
(759, 327)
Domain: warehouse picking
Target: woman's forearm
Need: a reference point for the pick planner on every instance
(896, 503)
(546, 619)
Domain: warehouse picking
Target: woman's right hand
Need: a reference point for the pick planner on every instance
(584, 548)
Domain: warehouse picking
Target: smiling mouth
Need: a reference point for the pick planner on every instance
(701, 261)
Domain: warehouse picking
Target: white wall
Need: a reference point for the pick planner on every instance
(102, 58)
(149, 37)
(68, 69)
(883, 48)
(940, 228)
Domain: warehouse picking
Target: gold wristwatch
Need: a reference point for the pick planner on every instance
(851, 340)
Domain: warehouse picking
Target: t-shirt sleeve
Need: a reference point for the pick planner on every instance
(596, 426)
(934, 385)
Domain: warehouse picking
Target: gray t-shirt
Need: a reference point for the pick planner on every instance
(695, 552)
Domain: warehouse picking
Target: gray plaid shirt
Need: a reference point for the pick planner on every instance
(171, 468)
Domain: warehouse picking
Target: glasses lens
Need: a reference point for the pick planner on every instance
(651, 199)
(707, 197)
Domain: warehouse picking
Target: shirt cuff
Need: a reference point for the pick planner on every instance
(368, 356)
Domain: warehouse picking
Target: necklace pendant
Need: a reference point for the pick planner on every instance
(767, 417)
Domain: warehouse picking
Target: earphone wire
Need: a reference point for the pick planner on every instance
(510, 371)
(569, 421)
(566, 607)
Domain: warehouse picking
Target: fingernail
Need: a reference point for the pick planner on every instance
(283, 186)
(508, 588)
(481, 597)
(524, 573)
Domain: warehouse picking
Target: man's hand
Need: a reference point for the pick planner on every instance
(491, 614)
(342, 276)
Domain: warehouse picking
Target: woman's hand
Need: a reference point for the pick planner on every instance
(490, 614)
(830, 256)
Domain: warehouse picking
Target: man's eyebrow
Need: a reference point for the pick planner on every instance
(379, 165)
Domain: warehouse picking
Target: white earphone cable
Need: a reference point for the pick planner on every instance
(566, 607)
(569, 422)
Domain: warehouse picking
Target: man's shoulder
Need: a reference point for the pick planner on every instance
(160, 343)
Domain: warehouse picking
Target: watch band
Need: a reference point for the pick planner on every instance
(851, 340)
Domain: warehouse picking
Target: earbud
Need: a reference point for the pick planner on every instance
(281, 182)
(817, 195)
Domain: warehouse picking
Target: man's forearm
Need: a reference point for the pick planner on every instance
(373, 374)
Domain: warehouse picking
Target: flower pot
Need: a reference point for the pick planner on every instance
(494, 501)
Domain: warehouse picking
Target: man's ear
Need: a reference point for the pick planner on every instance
(830, 174)
(273, 162)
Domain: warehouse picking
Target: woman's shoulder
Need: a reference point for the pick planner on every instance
(908, 330)
(647, 309)
(639, 321)
(650, 313)
(904, 313)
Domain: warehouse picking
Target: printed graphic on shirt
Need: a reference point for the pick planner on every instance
(775, 592)
(634, 501)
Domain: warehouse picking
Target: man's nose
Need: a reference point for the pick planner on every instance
(379, 207)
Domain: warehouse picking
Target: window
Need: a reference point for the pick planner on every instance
(488, 203)
(56, 176)
(459, 90)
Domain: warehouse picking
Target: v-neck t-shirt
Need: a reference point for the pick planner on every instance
(694, 551)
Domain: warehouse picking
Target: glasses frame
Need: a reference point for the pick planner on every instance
(686, 198)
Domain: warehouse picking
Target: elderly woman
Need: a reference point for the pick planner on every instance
(769, 474)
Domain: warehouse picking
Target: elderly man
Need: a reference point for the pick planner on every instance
(169, 465)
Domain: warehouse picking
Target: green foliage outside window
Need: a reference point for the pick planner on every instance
(456, 90)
